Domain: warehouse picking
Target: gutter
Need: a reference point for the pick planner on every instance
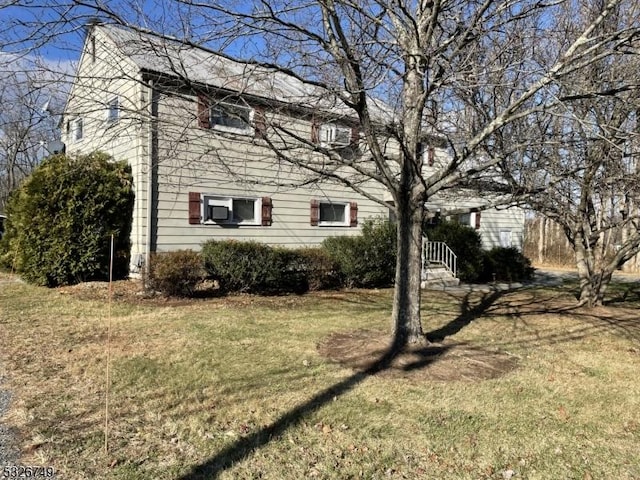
(153, 109)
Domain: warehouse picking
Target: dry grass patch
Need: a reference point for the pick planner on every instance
(240, 387)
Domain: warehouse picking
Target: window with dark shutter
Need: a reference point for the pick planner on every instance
(355, 136)
(477, 220)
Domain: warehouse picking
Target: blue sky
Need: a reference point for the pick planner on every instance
(55, 29)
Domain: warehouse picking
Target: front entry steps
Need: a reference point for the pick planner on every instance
(438, 276)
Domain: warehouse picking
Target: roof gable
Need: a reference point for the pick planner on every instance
(164, 55)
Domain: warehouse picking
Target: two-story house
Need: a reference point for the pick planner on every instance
(210, 141)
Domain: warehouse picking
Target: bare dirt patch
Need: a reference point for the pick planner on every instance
(132, 291)
(446, 361)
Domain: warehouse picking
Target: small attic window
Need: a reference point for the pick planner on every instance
(92, 48)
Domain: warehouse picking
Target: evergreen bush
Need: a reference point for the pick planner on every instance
(176, 273)
(506, 265)
(318, 269)
(252, 267)
(60, 221)
(367, 260)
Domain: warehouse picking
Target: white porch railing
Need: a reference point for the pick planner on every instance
(438, 253)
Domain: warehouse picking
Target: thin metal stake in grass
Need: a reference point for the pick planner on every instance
(106, 399)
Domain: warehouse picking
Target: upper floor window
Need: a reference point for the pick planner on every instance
(77, 130)
(113, 110)
(231, 118)
(228, 116)
(331, 135)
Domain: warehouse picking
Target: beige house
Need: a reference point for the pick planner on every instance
(224, 150)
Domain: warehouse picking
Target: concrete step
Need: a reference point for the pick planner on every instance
(438, 276)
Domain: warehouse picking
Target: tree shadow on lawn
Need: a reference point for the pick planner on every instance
(246, 445)
(419, 358)
(526, 303)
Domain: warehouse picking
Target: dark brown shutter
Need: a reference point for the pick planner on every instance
(353, 212)
(315, 131)
(260, 122)
(477, 220)
(355, 135)
(267, 208)
(194, 208)
(431, 156)
(315, 213)
(203, 111)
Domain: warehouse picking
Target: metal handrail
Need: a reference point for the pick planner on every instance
(440, 253)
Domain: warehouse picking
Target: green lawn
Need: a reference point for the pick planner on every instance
(235, 387)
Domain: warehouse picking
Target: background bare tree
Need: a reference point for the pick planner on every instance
(468, 72)
(583, 171)
(29, 97)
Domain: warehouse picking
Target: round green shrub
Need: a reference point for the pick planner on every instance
(506, 265)
(465, 243)
(318, 269)
(252, 267)
(62, 217)
(176, 273)
(367, 260)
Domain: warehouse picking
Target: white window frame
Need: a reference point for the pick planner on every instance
(248, 130)
(328, 133)
(471, 219)
(227, 201)
(77, 129)
(503, 236)
(347, 214)
(111, 103)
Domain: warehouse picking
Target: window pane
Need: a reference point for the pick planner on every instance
(113, 110)
(505, 238)
(244, 210)
(343, 136)
(77, 129)
(465, 219)
(330, 212)
(234, 116)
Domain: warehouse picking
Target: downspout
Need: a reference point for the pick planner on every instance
(150, 193)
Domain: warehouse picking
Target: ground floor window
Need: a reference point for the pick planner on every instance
(223, 210)
(232, 210)
(330, 213)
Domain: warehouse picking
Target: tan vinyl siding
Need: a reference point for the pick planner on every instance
(98, 81)
(192, 159)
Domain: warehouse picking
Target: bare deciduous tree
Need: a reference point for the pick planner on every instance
(26, 123)
(582, 170)
(471, 73)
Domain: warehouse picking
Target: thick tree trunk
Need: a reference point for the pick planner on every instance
(407, 324)
(594, 278)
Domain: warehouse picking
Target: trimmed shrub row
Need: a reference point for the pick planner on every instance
(366, 261)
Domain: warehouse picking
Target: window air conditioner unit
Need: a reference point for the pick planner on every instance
(218, 212)
(335, 136)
